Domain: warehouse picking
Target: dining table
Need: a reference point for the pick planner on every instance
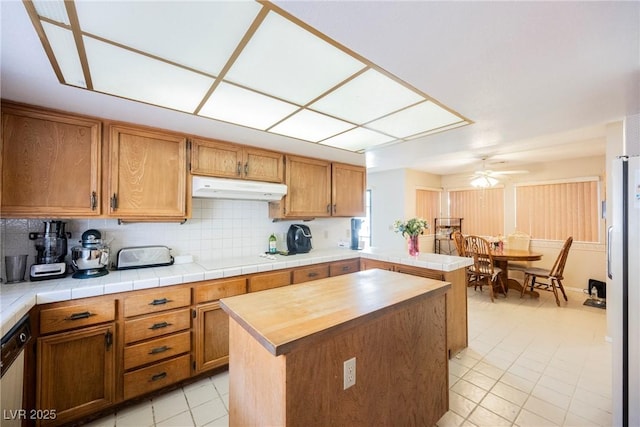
(501, 259)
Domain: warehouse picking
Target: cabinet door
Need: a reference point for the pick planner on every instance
(211, 158)
(309, 187)
(148, 174)
(261, 165)
(348, 188)
(76, 372)
(50, 164)
(211, 337)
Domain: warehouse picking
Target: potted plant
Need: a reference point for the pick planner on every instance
(411, 229)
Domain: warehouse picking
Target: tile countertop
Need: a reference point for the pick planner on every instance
(17, 299)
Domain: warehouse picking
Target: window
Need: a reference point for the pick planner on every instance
(428, 204)
(365, 230)
(555, 211)
(481, 209)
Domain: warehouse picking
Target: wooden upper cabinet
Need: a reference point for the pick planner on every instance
(348, 188)
(225, 160)
(148, 174)
(309, 187)
(50, 164)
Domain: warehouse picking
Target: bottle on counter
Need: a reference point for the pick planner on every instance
(272, 244)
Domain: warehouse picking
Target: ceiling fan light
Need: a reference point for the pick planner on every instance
(484, 182)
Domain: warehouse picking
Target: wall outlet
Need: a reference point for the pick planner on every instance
(349, 373)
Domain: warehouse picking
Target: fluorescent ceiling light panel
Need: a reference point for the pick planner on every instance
(200, 35)
(413, 120)
(52, 9)
(367, 97)
(357, 139)
(123, 73)
(289, 62)
(310, 126)
(64, 49)
(244, 107)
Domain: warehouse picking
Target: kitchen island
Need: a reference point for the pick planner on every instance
(288, 347)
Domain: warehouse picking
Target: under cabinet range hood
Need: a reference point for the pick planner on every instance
(236, 189)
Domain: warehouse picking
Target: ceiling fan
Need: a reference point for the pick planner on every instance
(486, 178)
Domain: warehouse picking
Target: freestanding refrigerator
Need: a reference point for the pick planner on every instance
(623, 299)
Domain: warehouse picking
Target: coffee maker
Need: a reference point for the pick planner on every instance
(51, 250)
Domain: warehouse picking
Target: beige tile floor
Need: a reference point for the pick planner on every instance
(529, 363)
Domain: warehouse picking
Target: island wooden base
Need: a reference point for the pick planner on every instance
(401, 373)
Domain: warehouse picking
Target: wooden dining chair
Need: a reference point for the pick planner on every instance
(553, 277)
(458, 239)
(520, 241)
(483, 269)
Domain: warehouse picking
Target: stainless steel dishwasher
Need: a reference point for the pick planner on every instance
(12, 373)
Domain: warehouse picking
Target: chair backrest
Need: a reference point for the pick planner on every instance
(458, 239)
(479, 249)
(518, 241)
(558, 267)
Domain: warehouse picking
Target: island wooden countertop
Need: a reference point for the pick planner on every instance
(282, 319)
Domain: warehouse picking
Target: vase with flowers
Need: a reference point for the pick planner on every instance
(411, 229)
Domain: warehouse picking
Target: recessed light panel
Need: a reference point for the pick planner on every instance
(413, 120)
(244, 107)
(200, 35)
(357, 139)
(66, 53)
(288, 62)
(367, 97)
(52, 9)
(310, 126)
(242, 62)
(120, 72)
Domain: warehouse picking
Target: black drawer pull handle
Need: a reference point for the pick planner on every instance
(159, 349)
(313, 274)
(160, 301)
(346, 268)
(159, 325)
(79, 316)
(159, 376)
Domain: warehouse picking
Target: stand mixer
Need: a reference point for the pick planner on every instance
(51, 248)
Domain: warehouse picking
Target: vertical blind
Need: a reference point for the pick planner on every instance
(428, 205)
(557, 211)
(482, 210)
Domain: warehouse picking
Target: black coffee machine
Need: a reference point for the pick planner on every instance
(51, 250)
(356, 224)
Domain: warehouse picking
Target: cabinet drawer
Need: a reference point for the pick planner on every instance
(77, 315)
(155, 350)
(417, 271)
(344, 267)
(156, 376)
(264, 281)
(310, 273)
(214, 290)
(157, 325)
(156, 300)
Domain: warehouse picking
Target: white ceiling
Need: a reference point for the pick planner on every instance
(540, 80)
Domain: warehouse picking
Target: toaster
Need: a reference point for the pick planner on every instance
(299, 239)
(143, 256)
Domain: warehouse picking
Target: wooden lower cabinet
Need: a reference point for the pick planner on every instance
(76, 373)
(95, 353)
(211, 337)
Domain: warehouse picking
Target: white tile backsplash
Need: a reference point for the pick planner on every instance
(218, 229)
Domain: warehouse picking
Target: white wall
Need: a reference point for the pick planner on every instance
(387, 205)
(219, 229)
